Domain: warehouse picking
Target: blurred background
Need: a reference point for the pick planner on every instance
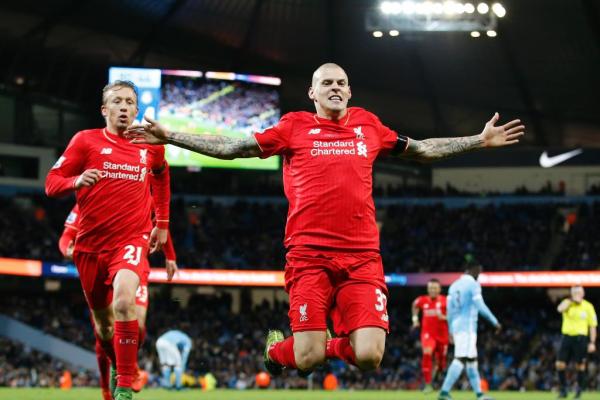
(528, 214)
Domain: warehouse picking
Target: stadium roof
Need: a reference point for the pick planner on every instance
(543, 66)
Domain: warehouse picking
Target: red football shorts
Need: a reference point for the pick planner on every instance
(97, 271)
(348, 287)
(438, 345)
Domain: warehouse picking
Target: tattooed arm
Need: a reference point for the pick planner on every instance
(224, 147)
(440, 148)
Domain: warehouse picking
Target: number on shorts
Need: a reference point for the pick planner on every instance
(142, 293)
(381, 300)
(133, 254)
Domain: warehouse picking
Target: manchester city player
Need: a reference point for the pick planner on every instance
(465, 303)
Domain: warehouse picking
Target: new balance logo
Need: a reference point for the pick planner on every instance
(106, 150)
(359, 134)
(361, 148)
(303, 316)
(314, 131)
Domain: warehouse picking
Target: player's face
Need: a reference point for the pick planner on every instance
(577, 294)
(433, 289)
(330, 91)
(120, 108)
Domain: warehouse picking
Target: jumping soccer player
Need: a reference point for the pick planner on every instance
(465, 303)
(578, 338)
(333, 263)
(110, 178)
(434, 330)
(66, 244)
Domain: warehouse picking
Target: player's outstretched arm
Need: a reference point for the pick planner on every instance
(217, 146)
(435, 149)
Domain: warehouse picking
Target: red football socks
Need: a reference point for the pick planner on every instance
(283, 353)
(342, 349)
(426, 365)
(126, 348)
(103, 364)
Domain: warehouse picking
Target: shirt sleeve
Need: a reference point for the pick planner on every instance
(61, 178)
(275, 140)
(169, 249)
(161, 188)
(419, 302)
(592, 318)
(65, 240)
(390, 140)
(482, 308)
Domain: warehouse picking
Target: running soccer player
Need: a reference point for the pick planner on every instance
(66, 244)
(465, 303)
(434, 330)
(173, 348)
(579, 324)
(333, 263)
(109, 177)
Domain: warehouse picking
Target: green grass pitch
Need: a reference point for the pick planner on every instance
(159, 394)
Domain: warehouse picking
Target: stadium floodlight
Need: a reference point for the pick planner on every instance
(499, 10)
(432, 16)
(394, 32)
(492, 33)
(483, 8)
(377, 34)
(475, 34)
(469, 8)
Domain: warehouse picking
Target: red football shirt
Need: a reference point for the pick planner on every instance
(72, 226)
(430, 322)
(117, 208)
(327, 176)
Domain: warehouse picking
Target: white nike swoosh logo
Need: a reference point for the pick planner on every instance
(548, 162)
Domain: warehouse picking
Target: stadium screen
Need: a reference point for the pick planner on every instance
(220, 103)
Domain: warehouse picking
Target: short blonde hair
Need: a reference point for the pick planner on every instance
(118, 84)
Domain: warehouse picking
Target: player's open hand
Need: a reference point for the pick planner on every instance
(498, 329)
(150, 133)
(89, 178)
(70, 248)
(158, 238)
(591, 347)
(171, 267)
(503, 135)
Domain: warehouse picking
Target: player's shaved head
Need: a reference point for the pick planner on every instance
(330, 91)
(319, 72)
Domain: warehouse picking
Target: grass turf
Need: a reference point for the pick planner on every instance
(158, 394)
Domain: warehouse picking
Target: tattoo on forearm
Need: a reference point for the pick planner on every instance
(223, 147)
(440, 148)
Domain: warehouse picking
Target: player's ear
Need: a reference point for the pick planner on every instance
(104, 110)
(311, 93)
(349, 92)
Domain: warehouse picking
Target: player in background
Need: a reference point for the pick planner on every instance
(434, 330)
(465, 303)
(579, 324)
(66, 244)
(173, 348)
(109, 176)
(333, 263)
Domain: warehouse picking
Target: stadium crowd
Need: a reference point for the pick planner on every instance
(248, 235)
(229, 345)
(238, 106)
